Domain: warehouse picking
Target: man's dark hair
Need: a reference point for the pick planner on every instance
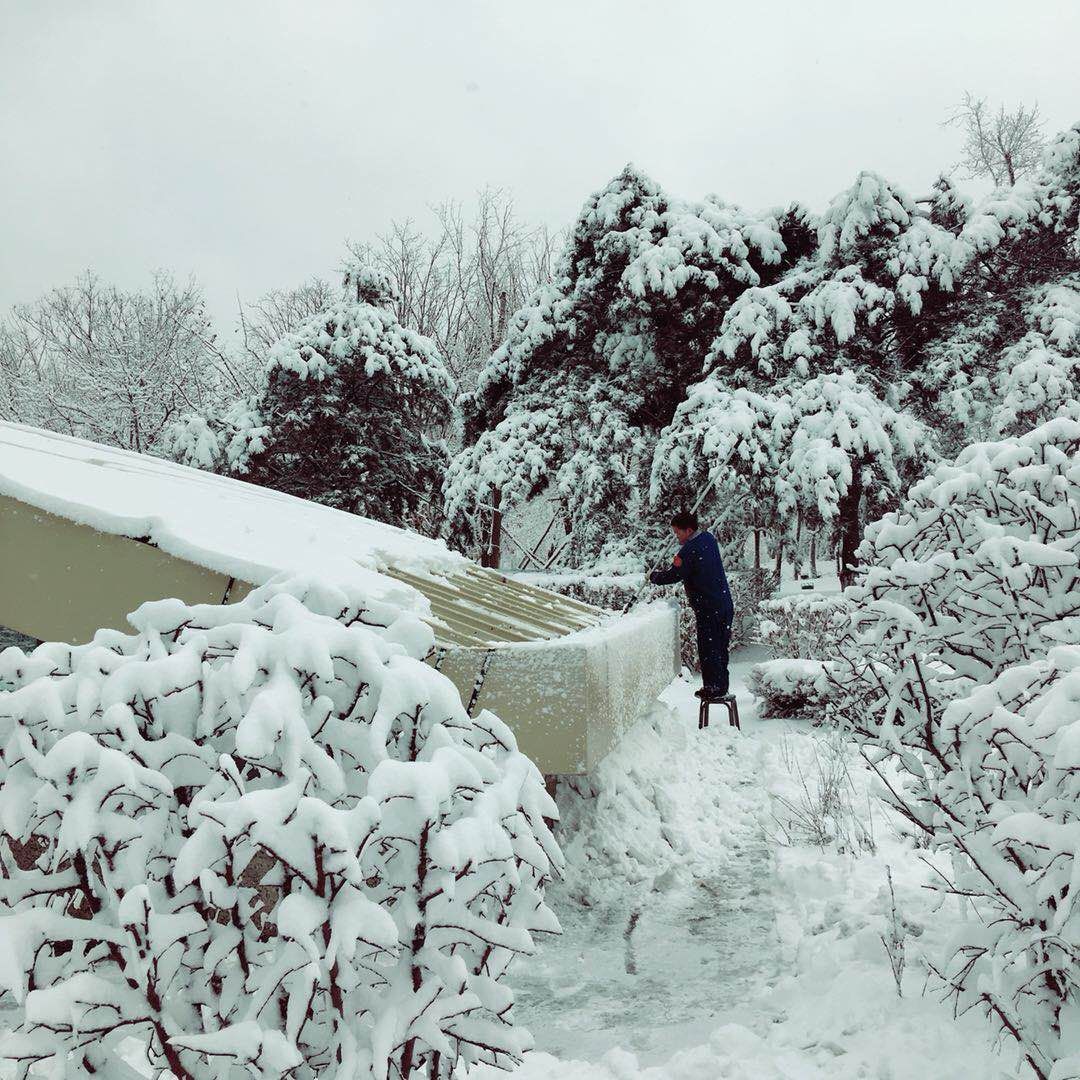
(685, 519)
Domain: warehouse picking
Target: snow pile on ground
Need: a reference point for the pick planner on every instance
(655, 813)
(767, 964)
(836, 1006)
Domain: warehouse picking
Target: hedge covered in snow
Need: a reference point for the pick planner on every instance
(961, 673)
(803, 632)
(264, 835)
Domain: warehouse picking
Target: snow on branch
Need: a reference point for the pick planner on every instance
(959, 671)
(264, 835)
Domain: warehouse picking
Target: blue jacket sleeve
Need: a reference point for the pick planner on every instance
(667, 577)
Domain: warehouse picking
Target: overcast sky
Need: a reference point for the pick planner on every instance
(244, 141)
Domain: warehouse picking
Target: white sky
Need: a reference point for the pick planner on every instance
(244, 140)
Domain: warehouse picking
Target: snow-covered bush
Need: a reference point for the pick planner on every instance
(263, 835)
(803, 633)
(958, 673)
(807, 627)
(791, 687)
(1010, 810)
(977, 572)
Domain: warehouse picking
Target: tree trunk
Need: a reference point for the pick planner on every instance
(493, 555)
(850, 526)
(813, 554)
(500, 329)
(779, 569)
(757, 549)
(535, 553)
(798, 541)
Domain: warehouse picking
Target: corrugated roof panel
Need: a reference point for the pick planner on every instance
(482, 607)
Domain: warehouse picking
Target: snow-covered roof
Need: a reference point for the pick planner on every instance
(248, 532)
(567, 677)
(252, 533)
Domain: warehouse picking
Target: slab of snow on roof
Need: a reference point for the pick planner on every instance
(226, 525)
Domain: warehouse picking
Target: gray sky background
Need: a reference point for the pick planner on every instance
(244, 141)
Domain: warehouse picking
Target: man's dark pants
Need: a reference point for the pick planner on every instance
(713, 636)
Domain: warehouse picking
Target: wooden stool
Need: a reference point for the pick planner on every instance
(728, 701)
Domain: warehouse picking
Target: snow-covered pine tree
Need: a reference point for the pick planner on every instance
(357, 406)
(842, 321)
(827, 449)
(997, 364)
(943, 315)
(879, 265)
(958, 675)
(850, 457)
(353, 412)
(1037, 378)
(596, 363)
(264, 835)
(734, 442)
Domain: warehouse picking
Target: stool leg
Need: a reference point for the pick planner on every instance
(733, 715)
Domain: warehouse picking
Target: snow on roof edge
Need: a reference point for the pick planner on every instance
(217, 522)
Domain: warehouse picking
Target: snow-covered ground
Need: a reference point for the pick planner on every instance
(706, 936)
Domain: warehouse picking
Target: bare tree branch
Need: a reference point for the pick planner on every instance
(1003, 146)
(92, 360)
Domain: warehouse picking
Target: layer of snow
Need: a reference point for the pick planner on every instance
(698, 944)
(226, 525)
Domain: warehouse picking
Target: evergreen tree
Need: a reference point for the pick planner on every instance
(353, 412)
(595, 365)
(827, 450)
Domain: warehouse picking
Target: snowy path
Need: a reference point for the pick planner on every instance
(697, 946)
(656, 970)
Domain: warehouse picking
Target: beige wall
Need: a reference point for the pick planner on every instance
(60, 581)
(568, 700)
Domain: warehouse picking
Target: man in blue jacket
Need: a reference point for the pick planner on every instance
(700, 568)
